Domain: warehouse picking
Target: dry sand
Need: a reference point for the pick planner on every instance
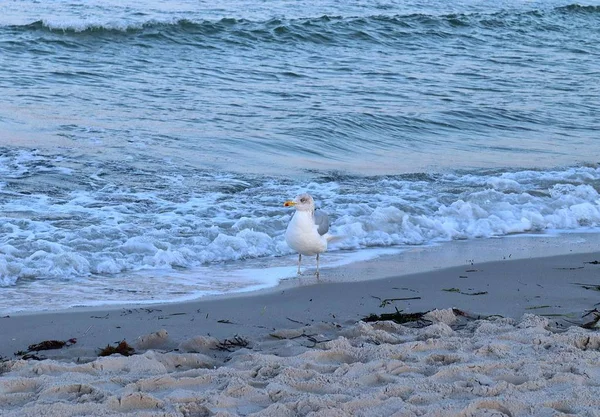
(303, 350)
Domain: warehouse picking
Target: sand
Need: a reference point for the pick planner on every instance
(500, 338)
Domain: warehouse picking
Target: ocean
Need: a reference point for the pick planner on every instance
(146, 149)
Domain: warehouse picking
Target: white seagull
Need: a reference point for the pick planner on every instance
(307, 231)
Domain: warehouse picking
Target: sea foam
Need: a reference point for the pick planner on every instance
(119, 224)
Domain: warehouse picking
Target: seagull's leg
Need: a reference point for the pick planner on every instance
(317, 273)
(299, 260)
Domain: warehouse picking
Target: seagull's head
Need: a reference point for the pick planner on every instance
(303, 202)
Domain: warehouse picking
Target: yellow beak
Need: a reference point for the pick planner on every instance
(289, 203)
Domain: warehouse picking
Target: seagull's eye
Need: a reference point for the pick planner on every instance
(303, 200)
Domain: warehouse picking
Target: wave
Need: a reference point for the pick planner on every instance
(578, 8)
(323, 29)
(115, 219)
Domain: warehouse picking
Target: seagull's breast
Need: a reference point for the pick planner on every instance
(302, 235)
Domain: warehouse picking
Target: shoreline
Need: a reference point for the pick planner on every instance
(510, 288)
(382, 263)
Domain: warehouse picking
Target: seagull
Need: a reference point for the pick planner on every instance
(307, 231)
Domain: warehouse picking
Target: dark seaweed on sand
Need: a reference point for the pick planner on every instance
(593, 287)
(388, 301)
(400, 318)
(457, 290)
(50, 344)
(45, 345)
(123, 348)
(413, 319)
(230, 345)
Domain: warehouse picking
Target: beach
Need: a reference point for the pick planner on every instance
(510, 337)
(147, 150)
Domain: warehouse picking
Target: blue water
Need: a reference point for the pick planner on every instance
(146, 147)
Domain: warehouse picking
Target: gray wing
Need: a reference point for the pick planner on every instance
(322, 222)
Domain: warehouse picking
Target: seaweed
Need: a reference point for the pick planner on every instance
(400, 318)
(168, 316)
(50, 345)
(123, 348)
(593, 287)
(45, 345)
(297, 322)
(128, 311)
(537, 307)
(464, 293)
(416, 319)
(310, 337)
(387, 301)
(33, 357)
(230, 345)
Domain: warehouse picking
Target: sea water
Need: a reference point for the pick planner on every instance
(146, 149)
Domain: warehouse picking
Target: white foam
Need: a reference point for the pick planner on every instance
(103, 223)
(165, 285)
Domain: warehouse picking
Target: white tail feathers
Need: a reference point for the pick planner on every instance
(333, 238)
